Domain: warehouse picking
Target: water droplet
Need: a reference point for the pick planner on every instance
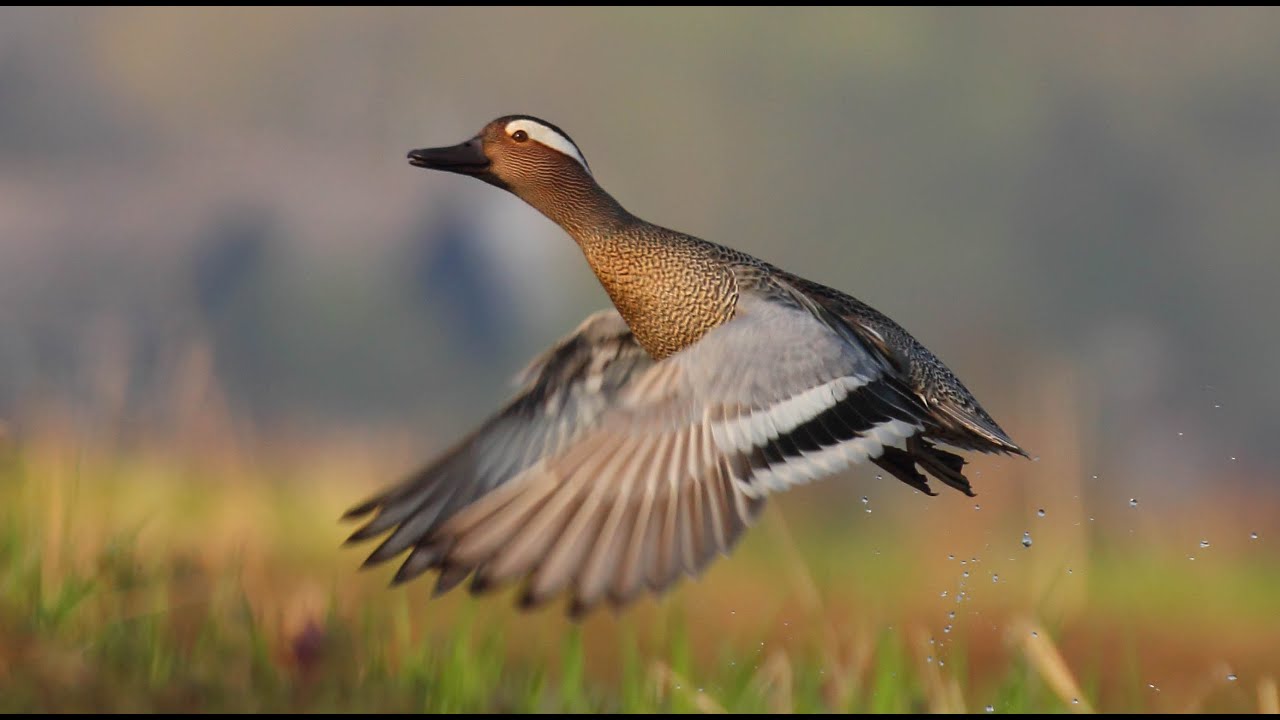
(868, 510)
(1231, 677)
(953, 557)
(946, 629)
(1233, 458)
(977, 507)
(944, 593)
(990, 709)
(1035, 634)
(964, 574)
(1075, 701)
(1180, 433)
(1133, 502)
(1153, 687)
(995, 578)
(1026, 539)
(865, 500)
(1040, 512)
(1253, 536)
(929, 659)
(1217, 405)
(1204, 543)
(1069, 571)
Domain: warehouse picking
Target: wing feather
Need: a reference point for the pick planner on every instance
(611, 474)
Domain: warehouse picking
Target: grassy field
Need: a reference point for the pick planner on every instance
(149, 581)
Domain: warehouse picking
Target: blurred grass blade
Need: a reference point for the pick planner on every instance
(1044, 656)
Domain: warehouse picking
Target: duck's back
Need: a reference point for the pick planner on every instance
(962, 420)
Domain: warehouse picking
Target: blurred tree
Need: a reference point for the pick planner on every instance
(450, 274)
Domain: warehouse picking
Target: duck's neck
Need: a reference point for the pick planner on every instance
(585, 211)
(666, 286)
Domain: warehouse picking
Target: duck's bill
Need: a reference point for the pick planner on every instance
(466, 159)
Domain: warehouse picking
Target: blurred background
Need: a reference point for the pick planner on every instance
(218, 271)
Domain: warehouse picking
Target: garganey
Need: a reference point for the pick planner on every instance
(644, 443)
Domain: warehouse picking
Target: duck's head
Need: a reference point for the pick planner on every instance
(519, 153)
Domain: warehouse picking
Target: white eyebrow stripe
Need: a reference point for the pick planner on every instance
(548, 137)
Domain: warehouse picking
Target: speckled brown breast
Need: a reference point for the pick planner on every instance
(671, 289)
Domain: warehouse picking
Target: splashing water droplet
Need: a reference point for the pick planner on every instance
(1026, 539)
(1133, 502)
(1040, 512)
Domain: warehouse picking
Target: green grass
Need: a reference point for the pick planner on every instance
(123, 588)
(76, 648)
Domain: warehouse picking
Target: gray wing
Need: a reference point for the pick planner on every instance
(956, 417)
(561, 392)
(676, 469)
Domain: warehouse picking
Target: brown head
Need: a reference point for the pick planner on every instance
(537, 162)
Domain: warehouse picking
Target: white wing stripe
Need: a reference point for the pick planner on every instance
(756, 427)
(810, 466)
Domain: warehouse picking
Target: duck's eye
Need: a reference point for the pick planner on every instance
(519, 136)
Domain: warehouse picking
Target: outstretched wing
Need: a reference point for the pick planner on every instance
(676, 468)
(561, 392)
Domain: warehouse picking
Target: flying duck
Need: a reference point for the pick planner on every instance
(644, 443)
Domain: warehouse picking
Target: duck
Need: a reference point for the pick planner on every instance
(643, 444)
